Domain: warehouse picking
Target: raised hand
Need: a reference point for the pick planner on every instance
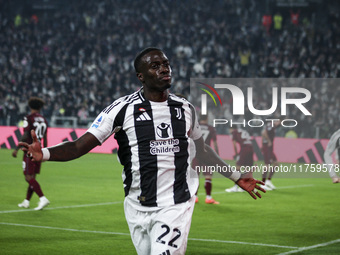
(33, 150)
(249, 184)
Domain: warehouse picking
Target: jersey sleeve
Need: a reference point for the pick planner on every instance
(104, 125)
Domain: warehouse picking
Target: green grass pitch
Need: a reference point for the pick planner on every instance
(86, 214)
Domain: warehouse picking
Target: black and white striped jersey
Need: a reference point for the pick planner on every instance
(155, 147)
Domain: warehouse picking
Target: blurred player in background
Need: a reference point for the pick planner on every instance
(209, 135)
(333, 145)
(244, 157)
(31, 168)
(154, 130)
(268, 135)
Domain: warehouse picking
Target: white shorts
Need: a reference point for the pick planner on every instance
(164, 231)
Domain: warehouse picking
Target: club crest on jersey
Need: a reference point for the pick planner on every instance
(97, 123)
(178, 113)
(164, 130)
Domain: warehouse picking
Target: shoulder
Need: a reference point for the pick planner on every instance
(40, 118)
(29, 118)
(182, 101)
(136, 96)
(178, 98)
(334, 140)
(335, 135)
(122, 101)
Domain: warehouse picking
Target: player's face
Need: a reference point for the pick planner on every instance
(155, 71)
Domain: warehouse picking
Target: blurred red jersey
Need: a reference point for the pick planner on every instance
(242, 137)
(38, 123)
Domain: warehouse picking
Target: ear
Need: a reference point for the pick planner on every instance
(140, 77)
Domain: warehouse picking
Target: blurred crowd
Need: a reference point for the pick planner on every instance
(79, 58)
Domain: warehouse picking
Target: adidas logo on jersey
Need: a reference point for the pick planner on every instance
(143, 117)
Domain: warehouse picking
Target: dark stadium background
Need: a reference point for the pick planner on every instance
(78, 55)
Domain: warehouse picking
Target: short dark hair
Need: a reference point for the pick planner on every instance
(139, 56)
(36, 103)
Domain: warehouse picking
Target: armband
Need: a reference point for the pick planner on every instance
(235, 176)
(46, 154)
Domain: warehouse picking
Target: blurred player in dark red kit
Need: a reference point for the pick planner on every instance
(244, 157)
(209, 136)
(268, 135)
(39, 124)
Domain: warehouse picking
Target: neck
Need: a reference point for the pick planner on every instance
(156, 96)
(34, 111)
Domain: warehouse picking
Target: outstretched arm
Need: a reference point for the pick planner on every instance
(207, 156)
(62, 152)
